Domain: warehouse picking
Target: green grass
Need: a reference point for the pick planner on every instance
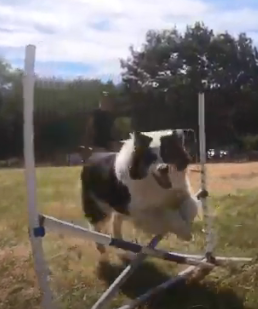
(78, 276)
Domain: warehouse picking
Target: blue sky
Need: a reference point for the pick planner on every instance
(87, 37)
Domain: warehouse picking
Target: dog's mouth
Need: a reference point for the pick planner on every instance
(161, 176)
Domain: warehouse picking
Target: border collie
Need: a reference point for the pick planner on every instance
(144, 183)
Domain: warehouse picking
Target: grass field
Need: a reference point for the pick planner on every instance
(78, 277)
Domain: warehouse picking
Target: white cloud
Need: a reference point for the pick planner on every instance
(70, 30)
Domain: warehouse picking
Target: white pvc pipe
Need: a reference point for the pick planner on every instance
(105, 298)
(210, 242)
(218, 258)
(56, 225)
(36, 243)
(160, 288)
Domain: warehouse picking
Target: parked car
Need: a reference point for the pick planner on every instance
(217, 153)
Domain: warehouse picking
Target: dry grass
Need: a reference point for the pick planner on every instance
(78, 277)
(230, 177)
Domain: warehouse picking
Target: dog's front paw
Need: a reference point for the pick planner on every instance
(202, 194)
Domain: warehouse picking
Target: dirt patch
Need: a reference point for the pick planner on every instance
(18, 279)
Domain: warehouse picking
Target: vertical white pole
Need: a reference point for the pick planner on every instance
(202, 142)
(36, 242)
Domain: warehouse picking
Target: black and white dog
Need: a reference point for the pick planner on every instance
(143, 183)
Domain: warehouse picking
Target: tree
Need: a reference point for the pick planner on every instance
(60, 112)
(172, 67)
(159, 90)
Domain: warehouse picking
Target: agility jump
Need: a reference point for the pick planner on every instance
(39, 224)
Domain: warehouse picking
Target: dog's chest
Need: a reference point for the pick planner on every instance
(160, 216)
(147, 194)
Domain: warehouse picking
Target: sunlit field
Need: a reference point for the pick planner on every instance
(78, 276)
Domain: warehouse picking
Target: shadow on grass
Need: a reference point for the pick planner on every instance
(183, 296)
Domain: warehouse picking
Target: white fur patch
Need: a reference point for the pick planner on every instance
(153, 209)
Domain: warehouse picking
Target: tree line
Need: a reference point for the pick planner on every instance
(158, 90)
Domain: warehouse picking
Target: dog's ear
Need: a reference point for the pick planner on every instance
(172, 151)
(172, 138)
(141, 156)
(141, 140)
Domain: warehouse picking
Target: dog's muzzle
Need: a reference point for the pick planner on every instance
(161, 176)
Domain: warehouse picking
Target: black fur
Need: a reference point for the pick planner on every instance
(98, 178)
(173, 152)
(141, 161)
(142, 157)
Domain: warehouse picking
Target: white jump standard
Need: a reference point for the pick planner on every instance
(39, 224)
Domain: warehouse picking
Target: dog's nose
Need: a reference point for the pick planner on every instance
(163, 168)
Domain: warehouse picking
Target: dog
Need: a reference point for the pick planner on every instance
(144, 183)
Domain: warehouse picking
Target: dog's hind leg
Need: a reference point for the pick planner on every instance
(102, 227)
(96, 216)
(117, 225)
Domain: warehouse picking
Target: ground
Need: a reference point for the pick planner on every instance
(78, 277)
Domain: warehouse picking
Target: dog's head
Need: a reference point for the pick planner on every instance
(142, 157)
(171, 154)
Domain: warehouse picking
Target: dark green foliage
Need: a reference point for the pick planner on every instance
(171, 68)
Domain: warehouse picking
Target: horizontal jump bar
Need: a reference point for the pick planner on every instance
(218, 258)
(51, 223)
